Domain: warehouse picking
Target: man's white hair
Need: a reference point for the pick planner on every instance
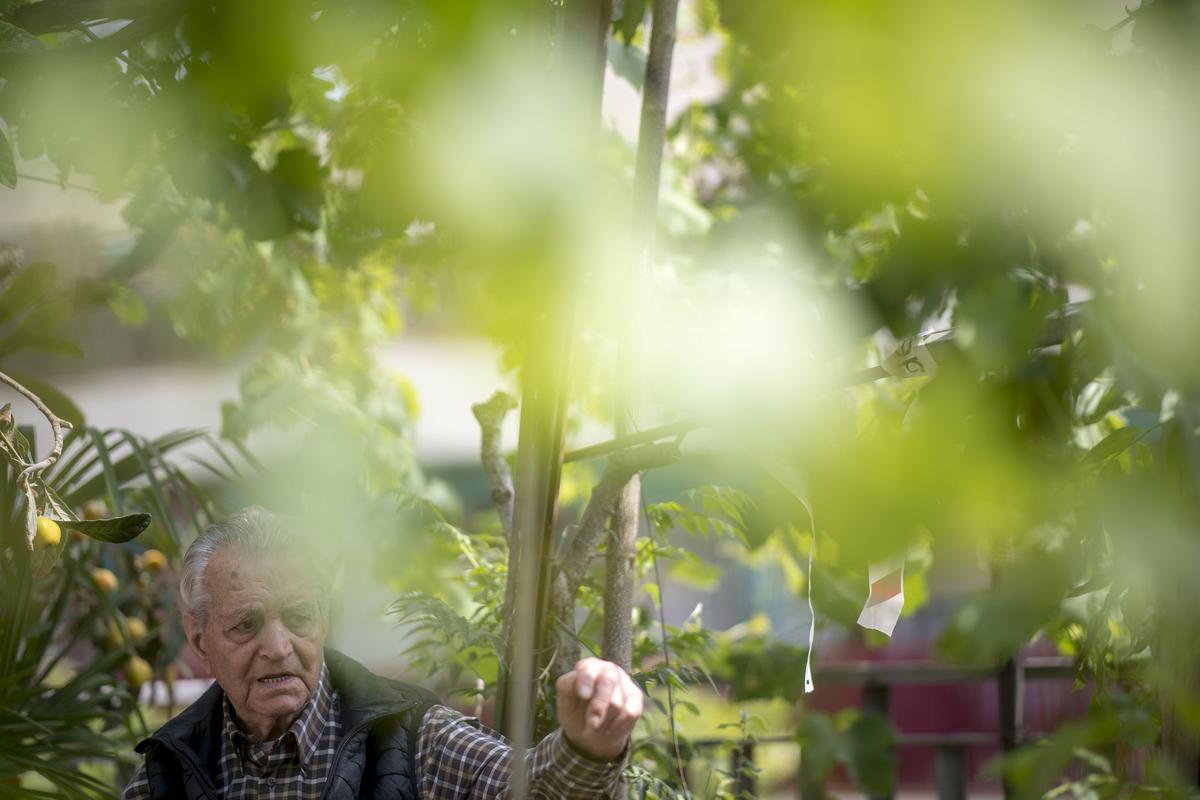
(255, 532)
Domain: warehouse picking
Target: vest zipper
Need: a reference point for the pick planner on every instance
(192, 767)
(357, 729)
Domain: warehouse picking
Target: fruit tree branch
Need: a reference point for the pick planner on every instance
(586, 537)
(620, 468)
(490, 415)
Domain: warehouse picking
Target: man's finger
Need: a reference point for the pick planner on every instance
(626, 708)
(565, 685)
(601, 696)
(634, 704)
(586, 672)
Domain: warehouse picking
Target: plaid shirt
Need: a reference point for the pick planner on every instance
(459, 759)
(456, 759)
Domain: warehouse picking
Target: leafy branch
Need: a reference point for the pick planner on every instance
(31, 469)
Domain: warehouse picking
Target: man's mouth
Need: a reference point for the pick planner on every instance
(276, 679)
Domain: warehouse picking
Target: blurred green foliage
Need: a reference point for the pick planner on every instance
(301, 176)
(76, 614)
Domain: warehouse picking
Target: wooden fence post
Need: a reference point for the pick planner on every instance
(950, 772)
(1011, 684)
(741, 766)
(877, 700)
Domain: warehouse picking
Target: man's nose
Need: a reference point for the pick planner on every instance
(274, 641)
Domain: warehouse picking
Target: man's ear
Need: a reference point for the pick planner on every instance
(195, 637)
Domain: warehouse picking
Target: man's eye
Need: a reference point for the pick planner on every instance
(297, 619)
(245, 626)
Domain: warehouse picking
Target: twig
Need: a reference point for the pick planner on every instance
(490, 415)
(1130, 16)
(61, 184)
(57, 425)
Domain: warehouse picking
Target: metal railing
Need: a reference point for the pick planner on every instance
(877, 680)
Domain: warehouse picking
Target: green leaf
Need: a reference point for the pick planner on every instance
(693, 571)
(114, 530)
(44, 559)
(16, 40)
(871, 754)
(29, 286)
(298, 181)
(628, 62)
(819, 745)
(12, 442)
(40, 341)
(127, 305)
(631, 20)
(1112, 444)
(8, 167)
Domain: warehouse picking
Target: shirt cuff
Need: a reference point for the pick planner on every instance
(583, 769)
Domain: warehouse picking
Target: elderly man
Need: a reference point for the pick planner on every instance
(287, 718)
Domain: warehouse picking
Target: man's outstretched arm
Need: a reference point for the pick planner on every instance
(598, 705)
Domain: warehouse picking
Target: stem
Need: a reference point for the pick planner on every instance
(662, 622)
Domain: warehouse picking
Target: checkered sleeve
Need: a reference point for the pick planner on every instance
(139, 787)
(459, 759)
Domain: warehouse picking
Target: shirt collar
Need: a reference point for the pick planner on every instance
(305, 730)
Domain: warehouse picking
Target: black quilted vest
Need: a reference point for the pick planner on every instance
(380, 719)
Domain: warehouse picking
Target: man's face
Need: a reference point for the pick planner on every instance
(263, 639)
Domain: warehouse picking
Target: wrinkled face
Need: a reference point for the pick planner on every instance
(263, 639)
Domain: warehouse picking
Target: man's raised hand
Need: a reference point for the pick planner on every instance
(598, 705)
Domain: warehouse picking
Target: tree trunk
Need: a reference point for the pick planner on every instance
(620, 573)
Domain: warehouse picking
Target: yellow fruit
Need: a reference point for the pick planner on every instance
(113, 639)
(152, 561)
(137, 671)
(137, 628)
(94, 509)
(105, 580)
(48, 533)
